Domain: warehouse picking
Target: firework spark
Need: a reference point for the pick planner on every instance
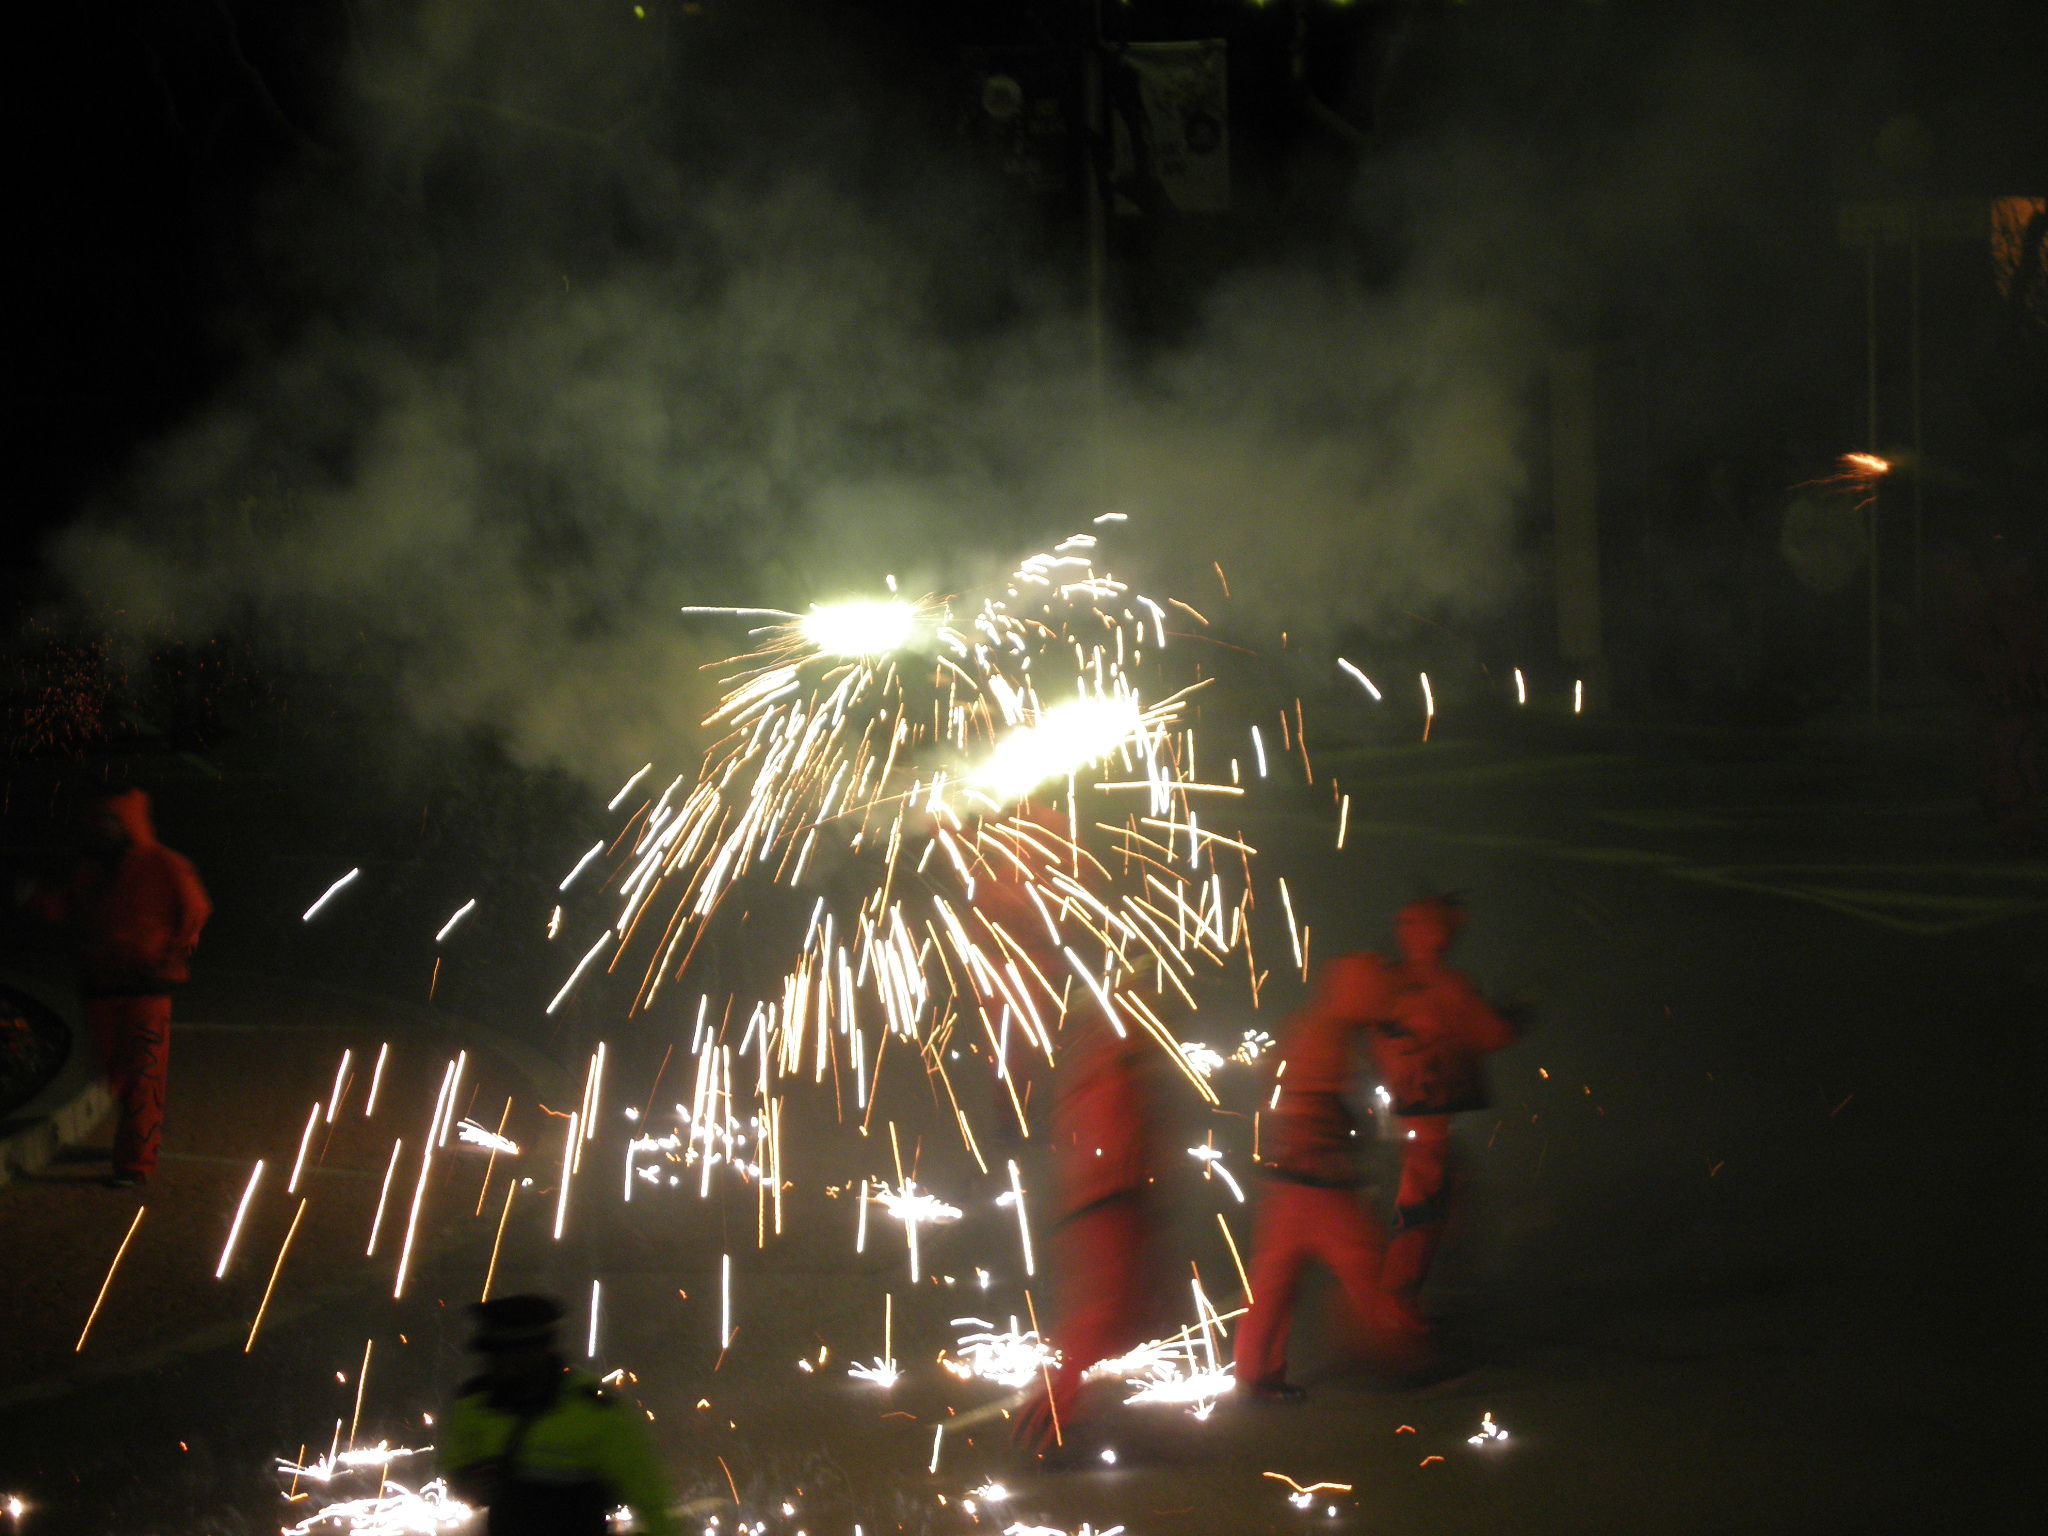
(489, 1140)
(329, 894)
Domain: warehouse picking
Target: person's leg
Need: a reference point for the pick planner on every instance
(1280, 1246)
(1421, 1208)
(103, 1032)
(1102, 1258)
(1349, 1243)
(140, 1075)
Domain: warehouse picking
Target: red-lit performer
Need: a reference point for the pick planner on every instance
(1310, 1209)
(1104, 1234)
(135, 910)
(1104, 1227)
(1430, 1056)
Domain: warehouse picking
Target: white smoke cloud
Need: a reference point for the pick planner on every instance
(507, 454)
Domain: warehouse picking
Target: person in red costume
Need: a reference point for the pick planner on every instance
(1310, 1209)
(135, 910)
(1430, 1054)
(1015, 860)
(1105, 1230)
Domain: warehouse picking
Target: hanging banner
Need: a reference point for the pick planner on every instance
(1169, 117)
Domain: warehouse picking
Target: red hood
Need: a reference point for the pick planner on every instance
(1426, 929)
(131, 808)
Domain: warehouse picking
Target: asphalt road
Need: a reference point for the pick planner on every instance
(1749, 1247)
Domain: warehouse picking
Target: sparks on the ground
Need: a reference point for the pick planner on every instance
(1009, 1356)
(1303, 1494)
(881, 1372)
(392, 1509)
(1488, 1431)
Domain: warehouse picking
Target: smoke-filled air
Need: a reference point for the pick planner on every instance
(563, 381)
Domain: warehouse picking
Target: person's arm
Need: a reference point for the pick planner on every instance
(1482, 1027)
(467, 1451)
(194, 907)
(632, 1468)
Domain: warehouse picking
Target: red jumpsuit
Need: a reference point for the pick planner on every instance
(1104, 1234)
(1002, 896)
(1430, 1055)
(1309, 1209)
(136, 911)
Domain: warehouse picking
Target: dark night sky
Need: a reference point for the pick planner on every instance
(246, 230)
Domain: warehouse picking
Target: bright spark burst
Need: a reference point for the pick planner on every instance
(997, 796)
(1256, 1043)
(898, 732)
(1183, 1371)
(947, 760)
(882, 1373)
(912, 1205)
(329, 1467)
(861, 629)
(1063, 740)
(392, 1510)
(489, 1140)
(1489, 1432)
(1006, 1356)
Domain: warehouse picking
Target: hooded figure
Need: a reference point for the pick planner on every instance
(1310, 1209)
(135, 910)
(1430, 1054)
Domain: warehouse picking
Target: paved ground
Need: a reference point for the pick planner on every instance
(251, 1061)
(1743, 1255)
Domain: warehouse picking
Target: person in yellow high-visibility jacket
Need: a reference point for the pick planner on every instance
(546, 1449)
